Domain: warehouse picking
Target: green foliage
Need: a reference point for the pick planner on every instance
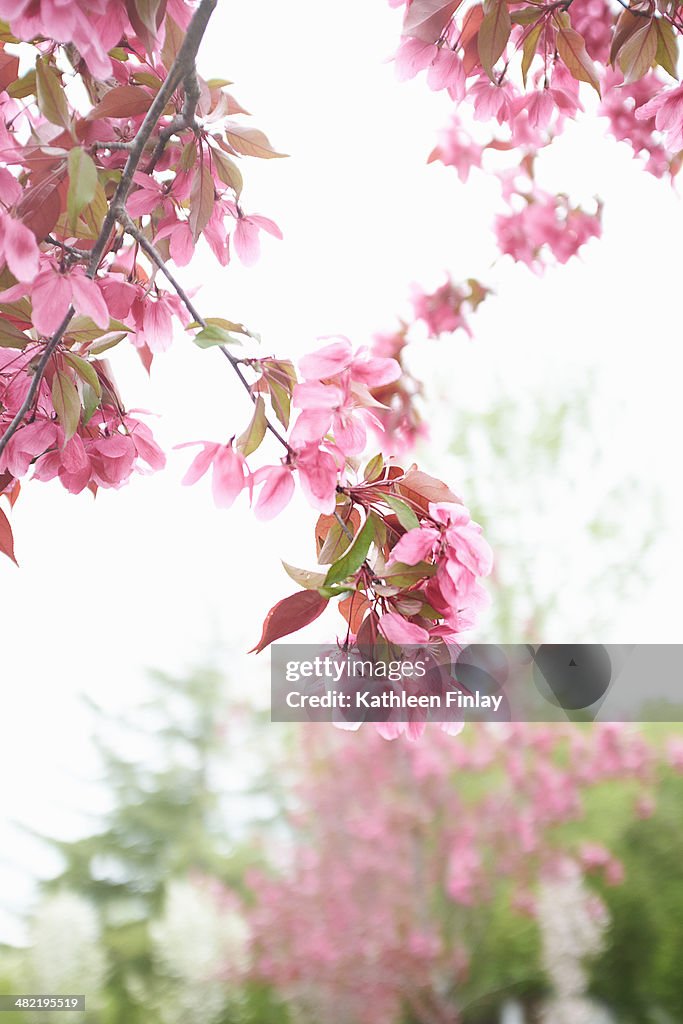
(639, 974)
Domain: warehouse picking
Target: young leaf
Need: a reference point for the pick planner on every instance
(11, 336)
(572, 50)
(353, 608)
(250, 141)
(212, 335)
(332, 537)
(404, 513)
(9, 69)
(122, 101)
(228, 171)
(305, 577)
(426, 19)
(249, 441)
(493, 35)
(86, 371)
(352, 559)
(637, 55)
(419, 489)
(202, 199)
(667, 47)
(6, 538)
(529, 50)
(50, 94)
(373, 469)
(82, 184)
(67, 403)
(289, 615)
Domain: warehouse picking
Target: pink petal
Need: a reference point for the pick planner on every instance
(275, 494)
(51, 296)
(266, 224)
(21, 250)
(398, 630)
(246, 241)
(89, 300)
(375, 372)
(157, 326)
(228, 476)
(318, 476)
(200, 463)
(415, 545)
(327, 361)
(182, 244)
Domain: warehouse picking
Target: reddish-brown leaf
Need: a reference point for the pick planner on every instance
(426, 19)
(572, 50)
(6, 538)
(40, 207)
(493, 35)
(289, 615)
(9, 69)
(353, 608)
(419, 489)
(250, 141)
(202, 199)
(124, 101)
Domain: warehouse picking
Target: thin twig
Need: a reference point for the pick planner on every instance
(36, 379)
(151, 252)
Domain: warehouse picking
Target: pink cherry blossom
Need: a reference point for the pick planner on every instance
(52, 292)
(229, 470)
(246, 236)
(399, 630)
(18, 248)
(318, 476)
(667, 109)
(276, 493)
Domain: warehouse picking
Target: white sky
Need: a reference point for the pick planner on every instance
(154, 575)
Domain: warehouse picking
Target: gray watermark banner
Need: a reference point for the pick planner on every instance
(480, 682)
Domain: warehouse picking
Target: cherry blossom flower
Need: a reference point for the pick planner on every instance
(18, 248)
(229, 470)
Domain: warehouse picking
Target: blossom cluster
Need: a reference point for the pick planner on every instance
(443, 831)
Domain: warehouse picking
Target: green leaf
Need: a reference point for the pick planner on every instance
(305, 577)
(82, 184)
(227, 171)
(50, 94)
(374, 467)
(212, 335)
(11, 336)
(249, 441)
(85, 370)
(667, 47)
(67, 403)
(83, 329)
(529, 50)
(493, 35)
(91, 402)
(400, 575)
(352, 559)
(404, 513)
(106, 342)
